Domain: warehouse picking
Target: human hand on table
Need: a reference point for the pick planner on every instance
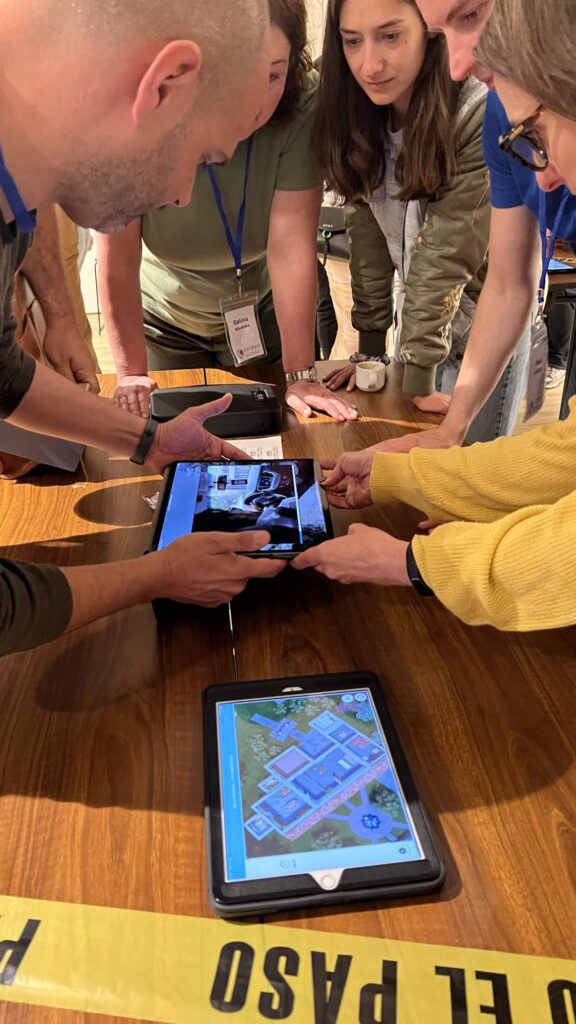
(305, 397)
(210, 569)
(336, 379)
(436, 437)
(364, 555)
(133, 393)
(184, 439)
(347, 484)
(437, 402)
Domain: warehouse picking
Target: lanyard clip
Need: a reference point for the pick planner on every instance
(239, 280)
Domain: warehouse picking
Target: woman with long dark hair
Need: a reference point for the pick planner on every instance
(402, 144)
(501, 546)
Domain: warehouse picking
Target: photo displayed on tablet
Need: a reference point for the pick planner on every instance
(307, 783)
(282, 497)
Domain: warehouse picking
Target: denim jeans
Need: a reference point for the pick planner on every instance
(498, 416)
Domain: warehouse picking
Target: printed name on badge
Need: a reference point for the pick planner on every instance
(243, 332)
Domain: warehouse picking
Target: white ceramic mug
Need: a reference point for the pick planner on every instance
(370, 376)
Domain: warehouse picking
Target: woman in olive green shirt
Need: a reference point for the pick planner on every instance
(162, 278)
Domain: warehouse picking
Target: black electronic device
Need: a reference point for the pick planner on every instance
(282, 496)
(326, 813)
(254, 411)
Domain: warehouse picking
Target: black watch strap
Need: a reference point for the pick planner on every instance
(145, 443)
(415, 575)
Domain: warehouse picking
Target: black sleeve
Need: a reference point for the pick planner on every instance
(16, 367)
(35, 605)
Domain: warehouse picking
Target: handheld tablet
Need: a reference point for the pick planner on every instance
(309, 799)
(561, 265)
(281, 496)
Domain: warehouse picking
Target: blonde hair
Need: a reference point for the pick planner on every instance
(532, 43)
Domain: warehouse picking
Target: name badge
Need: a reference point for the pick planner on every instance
(537, 368)
(243, 332)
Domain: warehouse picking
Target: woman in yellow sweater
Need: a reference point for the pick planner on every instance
(505, 553)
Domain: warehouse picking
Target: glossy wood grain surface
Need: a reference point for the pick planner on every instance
(101, 739)
(487, 720)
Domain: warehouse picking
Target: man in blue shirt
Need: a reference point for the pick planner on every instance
(511, 287)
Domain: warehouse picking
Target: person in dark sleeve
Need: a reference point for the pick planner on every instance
(107, 154)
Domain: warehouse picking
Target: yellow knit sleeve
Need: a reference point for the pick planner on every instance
(485, 481)
(516, 574)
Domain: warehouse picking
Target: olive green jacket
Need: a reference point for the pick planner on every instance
(443, 266)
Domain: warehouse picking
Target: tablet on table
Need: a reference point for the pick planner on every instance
(309, 798)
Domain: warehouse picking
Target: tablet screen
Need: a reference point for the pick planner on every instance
(561, 265)
(307, 783)
(282, 497)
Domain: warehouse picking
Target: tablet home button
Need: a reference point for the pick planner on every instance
(328, 880)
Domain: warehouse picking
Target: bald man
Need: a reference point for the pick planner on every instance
(107, 108)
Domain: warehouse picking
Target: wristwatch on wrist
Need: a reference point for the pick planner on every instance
(415, 575)
(310, 375)
(145, 443)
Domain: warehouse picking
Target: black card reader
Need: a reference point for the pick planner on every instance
(254, 412)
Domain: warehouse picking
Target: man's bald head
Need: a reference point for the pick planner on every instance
(229, 33)
(108, 106)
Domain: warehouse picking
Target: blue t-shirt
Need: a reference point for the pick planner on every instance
(514, 185)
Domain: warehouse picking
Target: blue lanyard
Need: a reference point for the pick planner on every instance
(24, 220)
(235, 243)
(548, 243)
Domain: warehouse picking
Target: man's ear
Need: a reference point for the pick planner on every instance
(170, 79)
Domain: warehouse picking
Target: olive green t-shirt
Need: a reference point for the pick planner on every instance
(187, 266)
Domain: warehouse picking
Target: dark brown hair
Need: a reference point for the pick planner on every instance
(351, 130)
(290, 17)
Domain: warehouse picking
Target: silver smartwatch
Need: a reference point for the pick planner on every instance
(310, 375)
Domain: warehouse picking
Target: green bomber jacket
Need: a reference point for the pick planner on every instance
(444, 266)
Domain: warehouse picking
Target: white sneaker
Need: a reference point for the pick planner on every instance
(554, 377)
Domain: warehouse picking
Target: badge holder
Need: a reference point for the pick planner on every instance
(242, 326)
(537, 367)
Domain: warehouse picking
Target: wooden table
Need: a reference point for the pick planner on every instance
(100, 732)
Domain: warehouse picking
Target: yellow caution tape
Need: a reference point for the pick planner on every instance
(186, 970)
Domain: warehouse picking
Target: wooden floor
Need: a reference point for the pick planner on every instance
(101, 346)
(548, 414)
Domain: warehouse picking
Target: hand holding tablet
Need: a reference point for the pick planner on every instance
(210, 571)
(280, 496)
